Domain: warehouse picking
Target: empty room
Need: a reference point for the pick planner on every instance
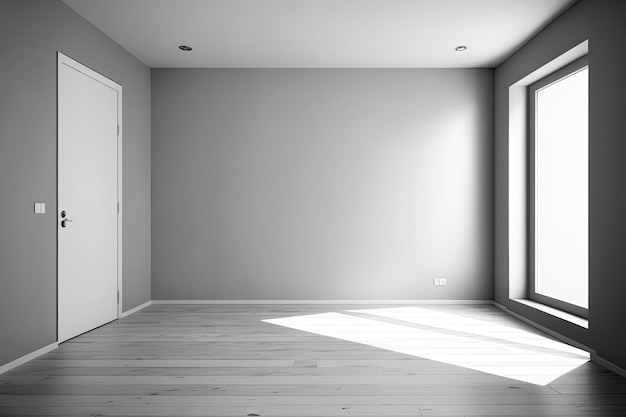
(312, 208)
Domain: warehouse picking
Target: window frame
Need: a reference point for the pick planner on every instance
(556, 76)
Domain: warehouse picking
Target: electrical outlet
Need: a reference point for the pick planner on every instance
(438, 282)
(443, 281)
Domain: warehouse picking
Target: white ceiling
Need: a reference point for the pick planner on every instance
(320, 33)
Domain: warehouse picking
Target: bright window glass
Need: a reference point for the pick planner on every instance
(561, 186)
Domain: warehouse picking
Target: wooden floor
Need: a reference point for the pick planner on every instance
(215, 360)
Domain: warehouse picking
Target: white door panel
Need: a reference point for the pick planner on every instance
(87, 199)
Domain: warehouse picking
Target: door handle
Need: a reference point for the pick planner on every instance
(65, 219)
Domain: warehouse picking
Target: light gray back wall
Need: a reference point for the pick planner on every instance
(321, 184)
(31, 32)
(603, 22)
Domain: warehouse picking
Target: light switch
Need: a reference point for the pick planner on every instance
(40, 208)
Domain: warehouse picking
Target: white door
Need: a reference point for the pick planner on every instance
(88, 109)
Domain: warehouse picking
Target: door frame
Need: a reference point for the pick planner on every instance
(63, 59)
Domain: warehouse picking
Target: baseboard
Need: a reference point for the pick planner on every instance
(136, 309)
(323, 302)
(33, 355)
(608, 365)
(544, 329)
(29, 357)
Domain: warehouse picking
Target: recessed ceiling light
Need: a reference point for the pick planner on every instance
(460, 48)
(185, 48)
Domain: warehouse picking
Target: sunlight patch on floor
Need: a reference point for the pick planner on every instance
(453, 339)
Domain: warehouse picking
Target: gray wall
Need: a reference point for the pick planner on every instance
(603, 22)
(322, 184)
(31, 32)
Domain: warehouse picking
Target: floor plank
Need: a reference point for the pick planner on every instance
(297, 360)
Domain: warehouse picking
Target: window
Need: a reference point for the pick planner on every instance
(558, 185)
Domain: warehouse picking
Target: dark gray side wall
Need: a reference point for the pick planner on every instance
(603, 22)
(31, 33)
(322, 184)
